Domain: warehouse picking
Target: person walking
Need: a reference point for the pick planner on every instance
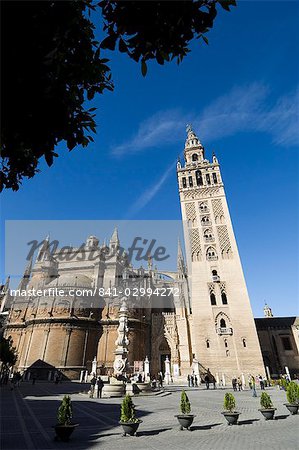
(92, 386)
(239, 384)
(214, 382)
(254, 394)
(100, 385)
(262, 384)
(192, 380)
(207, 381)
(234, 384)
(195, 381)
(189, 380)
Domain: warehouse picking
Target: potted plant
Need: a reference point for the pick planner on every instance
(292, 397)
(267, 408)
(230, 414)
(128, 420)
(65, 427)
(185, 418)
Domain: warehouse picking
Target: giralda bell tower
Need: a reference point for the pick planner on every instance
(223, 333)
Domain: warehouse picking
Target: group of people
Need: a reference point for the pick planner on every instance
(96, 387)
(237, 384)
(157, 381)
(192, 380)
(208, 379)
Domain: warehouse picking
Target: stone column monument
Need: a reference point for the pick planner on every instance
(116, 387)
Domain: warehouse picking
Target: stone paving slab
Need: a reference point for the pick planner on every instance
(29, 412)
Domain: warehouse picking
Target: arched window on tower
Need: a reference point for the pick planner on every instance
(208, 178)
(194, 157)
(208, 343)
(208, 235)
(213, 299)
(244, 342)
(222, 323)
(211, 254)
(198, 177)
(225, 343)
(224, 298)
(184, 182)
(215, 181)
(203, 207)
(190, 182)
(215, 276)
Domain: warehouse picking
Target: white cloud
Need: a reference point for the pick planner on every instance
(163, 127)
(150, 193)
(244, 108)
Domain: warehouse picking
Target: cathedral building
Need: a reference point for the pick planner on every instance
(206, 323)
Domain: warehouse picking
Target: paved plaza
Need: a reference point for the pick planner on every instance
(29, 412)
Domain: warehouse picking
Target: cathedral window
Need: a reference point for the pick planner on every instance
(222, 323)
(227, 352)
(208, 178)
(224, 298)
(194, 157)
(190, 182)
(203, 207)
(205, 220)
(215, 276)
(208, 236)
(215, 181)
(198, 177)
(211, 254)
(184, 182)
(225, 343)
(208, 343)
(244, 342)
(213, 299)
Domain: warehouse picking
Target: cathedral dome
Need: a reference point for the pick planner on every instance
(70, 279)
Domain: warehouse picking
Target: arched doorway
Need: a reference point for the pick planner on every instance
(163, 352)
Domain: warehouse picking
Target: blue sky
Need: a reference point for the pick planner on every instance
(241, 95)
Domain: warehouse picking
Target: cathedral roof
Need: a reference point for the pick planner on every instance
(69, 279)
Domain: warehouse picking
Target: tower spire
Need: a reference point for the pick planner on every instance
(114, 241)
(25, 279)
(180, 258)
(194, 151)
(267, 311)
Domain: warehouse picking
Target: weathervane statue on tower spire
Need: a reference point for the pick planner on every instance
(189, 128)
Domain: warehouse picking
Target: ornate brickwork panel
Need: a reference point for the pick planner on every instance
(202, 192)
(190, 212)
(195, 245)
(225, 245)
(217, 208)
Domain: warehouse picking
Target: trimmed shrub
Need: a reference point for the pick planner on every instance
(266, 401)
(65, 411)
(185, 403)
(127, 413)
(229, 402)
(293, 393)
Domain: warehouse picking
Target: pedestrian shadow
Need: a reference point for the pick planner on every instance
(152, 432)
(281, 417)
(247, 422)
(205, 427)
